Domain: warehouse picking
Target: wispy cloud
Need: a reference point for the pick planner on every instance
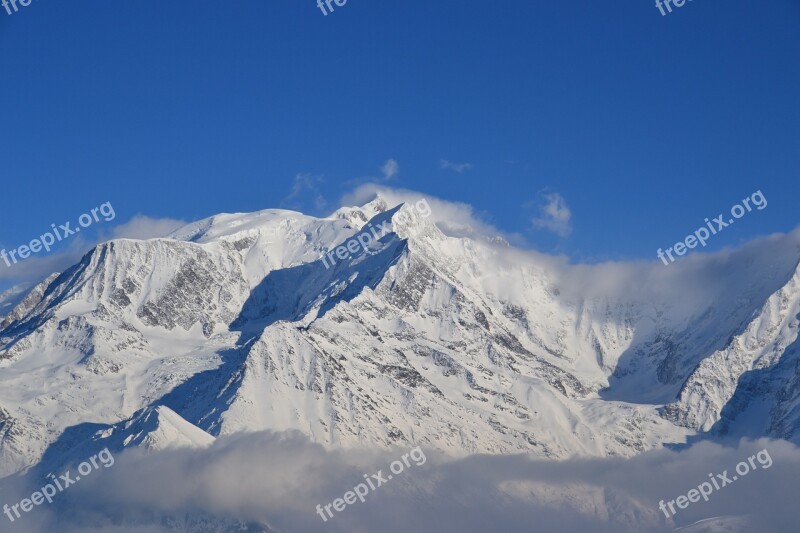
(455, 167)
(455, 219)
(308, 185)
(390, 169)
(554, 215)
(144, 227)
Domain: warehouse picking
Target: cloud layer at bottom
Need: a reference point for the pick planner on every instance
(275, 481)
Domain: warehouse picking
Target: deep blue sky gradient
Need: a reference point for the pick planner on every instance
(185, 108)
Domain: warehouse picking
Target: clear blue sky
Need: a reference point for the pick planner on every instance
(644, 124)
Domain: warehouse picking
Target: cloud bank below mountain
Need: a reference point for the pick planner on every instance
(278, 479)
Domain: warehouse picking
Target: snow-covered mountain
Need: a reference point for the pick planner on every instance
(11, 297)
(458, 343)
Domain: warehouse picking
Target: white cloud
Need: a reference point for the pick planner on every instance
(305, 184)
(144, 227)
(279, 479)
(456, 219)
(455, 167)
(390, 169)
(554, 215)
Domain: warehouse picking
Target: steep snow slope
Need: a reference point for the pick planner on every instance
(760, 347)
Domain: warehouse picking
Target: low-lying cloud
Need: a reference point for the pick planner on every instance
(276, 481)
